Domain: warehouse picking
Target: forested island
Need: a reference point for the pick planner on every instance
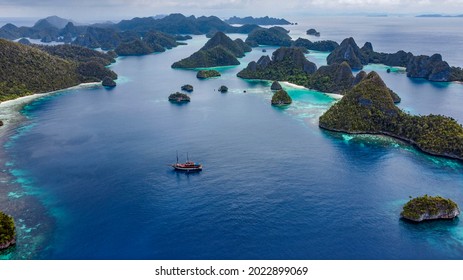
(220, 50)
(369, 108)
(429, 208)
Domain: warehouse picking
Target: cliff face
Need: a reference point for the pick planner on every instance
(432, 68)
(285, 62)
(334, 78)
(348, 51)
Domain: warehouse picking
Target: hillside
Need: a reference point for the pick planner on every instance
(27, 69)
(369, 108)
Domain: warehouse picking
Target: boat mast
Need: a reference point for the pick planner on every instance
(177, 156)
(187, 159)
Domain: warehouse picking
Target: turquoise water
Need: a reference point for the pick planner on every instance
(86, 173)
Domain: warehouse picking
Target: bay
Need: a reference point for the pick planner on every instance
(274, 186)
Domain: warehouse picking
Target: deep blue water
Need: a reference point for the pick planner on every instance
(274, 186)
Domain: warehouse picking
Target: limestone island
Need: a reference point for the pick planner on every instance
(7, 231)
(223, 89)
(108, 82)
(275, 86)
(274, 36)
(179, 97)
(188, 88)
(281, 98)
(313, 32)
(205, 74)
(220, 50)
(431, 68)
(429, 208)
(369, 108)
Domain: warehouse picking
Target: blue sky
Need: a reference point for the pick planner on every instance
(123, 9)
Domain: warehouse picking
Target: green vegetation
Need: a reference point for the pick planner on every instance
(429, 207)
(288, 64)
(220, 50)
(274, 36)
(33, 69)
(281, 98)
(204, 74)
(7, 231)
(322, 46)
(28, 70)
(369, 108)
(135, 47)
(179, 97)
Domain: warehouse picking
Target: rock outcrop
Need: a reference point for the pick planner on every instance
(223, 89)
(348, 51)
(429, 208)
(276, 86)
(334, 78)
(187, 88)
(179, 98)
(313, 32)
(108, 82)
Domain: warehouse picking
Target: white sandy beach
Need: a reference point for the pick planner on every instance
(10, 110)
(332, 95)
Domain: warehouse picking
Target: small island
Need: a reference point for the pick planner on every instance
(179, 97)
(205, 74)
(223, 89)
(281, 98)
(429, 208)
(188, 88)
(108, 82)
(7, 231)
(313, 32)
(275, 86)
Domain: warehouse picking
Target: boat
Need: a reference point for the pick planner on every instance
(188, 166)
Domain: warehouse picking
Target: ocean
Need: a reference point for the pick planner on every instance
(86, 172)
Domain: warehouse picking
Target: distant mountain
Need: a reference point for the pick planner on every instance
(108, 35)
(259, 21)
(438, 16)
(54, 21)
